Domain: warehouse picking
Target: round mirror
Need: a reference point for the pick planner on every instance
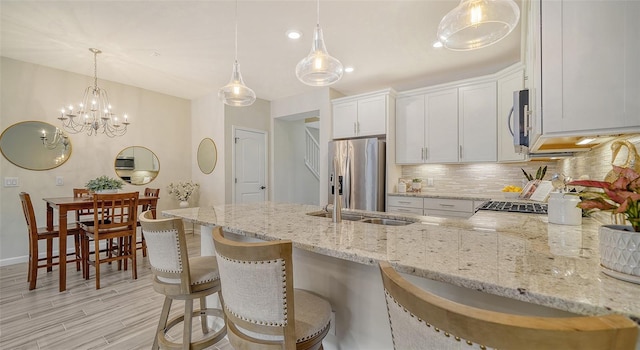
(137, 165)
(35, 145)
(207, 155)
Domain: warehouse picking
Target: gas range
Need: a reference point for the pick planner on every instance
(516, 207)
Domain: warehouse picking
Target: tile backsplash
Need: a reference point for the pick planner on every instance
(492, 177)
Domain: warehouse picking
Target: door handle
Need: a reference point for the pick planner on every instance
(262, 187)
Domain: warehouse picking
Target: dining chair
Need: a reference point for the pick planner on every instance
(262, 308)
(37, 234)
(180, 277)
(115, 218)
(420, 319)
(142, 244)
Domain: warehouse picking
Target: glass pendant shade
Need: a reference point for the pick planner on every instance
(475, 24)
(236, 93)
(319, 68)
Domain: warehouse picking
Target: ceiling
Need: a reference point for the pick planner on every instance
(186, 48)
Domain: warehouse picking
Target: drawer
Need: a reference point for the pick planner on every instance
(409, 202)
(404, 210)
(448, 204)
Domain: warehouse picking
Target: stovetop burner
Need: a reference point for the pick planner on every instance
(517, 207)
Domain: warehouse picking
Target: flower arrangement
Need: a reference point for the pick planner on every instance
(104, 183)
(621, 196)
(182, 190)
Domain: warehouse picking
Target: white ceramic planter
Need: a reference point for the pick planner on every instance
(620, 251)
(184, 204)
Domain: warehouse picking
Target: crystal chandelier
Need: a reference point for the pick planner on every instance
(475, 24)
(59, 138)
(236, 93)
(319, 68)
(94, 115)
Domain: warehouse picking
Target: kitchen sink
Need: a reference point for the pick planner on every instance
(390, 222)
(362, 218)
(348, 217)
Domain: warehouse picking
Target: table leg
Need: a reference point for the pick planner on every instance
(49, 217)
(62, 247)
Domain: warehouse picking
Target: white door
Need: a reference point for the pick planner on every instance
(250, 167)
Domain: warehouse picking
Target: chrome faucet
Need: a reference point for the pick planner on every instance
(336, 188)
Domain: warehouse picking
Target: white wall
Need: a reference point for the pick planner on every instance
(159, 122)
(207, 120)
(293, 182)
(317, 100)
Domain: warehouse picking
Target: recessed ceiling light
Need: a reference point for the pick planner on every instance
(348, 69)
(437, 44)
(294, 34)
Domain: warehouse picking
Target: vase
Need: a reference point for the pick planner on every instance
(111, 190)
(620, 252)
(184, 204)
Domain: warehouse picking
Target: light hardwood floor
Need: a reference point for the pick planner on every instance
(123, 314)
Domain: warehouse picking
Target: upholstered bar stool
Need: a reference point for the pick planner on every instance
(422, 320)
(263, 310)
(179, 277)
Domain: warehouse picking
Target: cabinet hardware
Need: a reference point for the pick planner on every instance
(354, 128)
(460, 151)
(526, 120)
(405, 202)
(447, 205)
(426, 153)
(358, 127)
(422, 153)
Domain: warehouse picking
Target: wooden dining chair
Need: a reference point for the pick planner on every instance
(422, 320)
(262, 309)
(148, 192)
(115, 218)
(37, 234)
(180, 277)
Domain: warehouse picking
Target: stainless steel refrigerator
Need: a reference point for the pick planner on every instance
(362, 167)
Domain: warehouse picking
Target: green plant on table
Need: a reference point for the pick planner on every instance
(539, 174)
(619, 197)
(104, 183)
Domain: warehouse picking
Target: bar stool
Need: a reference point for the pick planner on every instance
(179, 277)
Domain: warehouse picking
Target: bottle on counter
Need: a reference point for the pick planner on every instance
(402, 187)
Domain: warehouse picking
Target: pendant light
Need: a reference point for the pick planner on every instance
(236, 93)
(475, 24)
(319, 68)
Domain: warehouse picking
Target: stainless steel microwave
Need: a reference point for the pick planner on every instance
(518, 121)
(125, 163)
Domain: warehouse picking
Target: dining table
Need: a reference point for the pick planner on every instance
(65, 205)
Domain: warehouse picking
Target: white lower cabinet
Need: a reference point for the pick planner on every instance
(448, 207)
(405, 205)
(444, 207)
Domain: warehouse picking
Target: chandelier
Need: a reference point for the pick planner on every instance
(94, 114)
(59, 138)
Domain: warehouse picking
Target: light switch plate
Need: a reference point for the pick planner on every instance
(59, 181)
(11, 182)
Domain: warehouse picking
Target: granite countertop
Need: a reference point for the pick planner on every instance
(520, 256)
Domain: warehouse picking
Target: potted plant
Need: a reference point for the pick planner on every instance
(104, 184)
(619, 244)
(416, 184)
(182, 191)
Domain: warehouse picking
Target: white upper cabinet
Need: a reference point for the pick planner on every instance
(477, 117)
(427, 128)
(363, 115)
(410, 131)
(590, 53)
(507, 84)
(441, 126)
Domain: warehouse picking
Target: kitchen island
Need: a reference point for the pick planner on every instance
(518, 256)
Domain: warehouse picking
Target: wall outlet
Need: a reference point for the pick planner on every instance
(430, 182)
(332, 326)
(59, 181)
(11, 182)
